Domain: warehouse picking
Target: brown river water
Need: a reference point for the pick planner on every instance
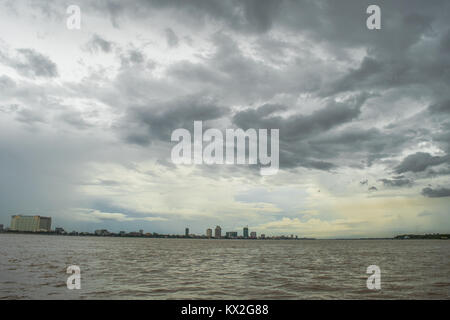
(34, 267)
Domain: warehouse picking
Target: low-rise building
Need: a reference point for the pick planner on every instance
(101, 232)
(231, 234)
(134, 234)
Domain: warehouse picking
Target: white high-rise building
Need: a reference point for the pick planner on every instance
(31, 223)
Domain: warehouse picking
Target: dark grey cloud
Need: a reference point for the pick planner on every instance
(75, 119)
(133, 57)
(445, 42)
(6, 82)
(30, 63)
(442, 107)
(157, 121)
(355, 78)
(11, 108)
(388, 72)
(395, 55)
(393, 59)
(29, 116)
(246, 16)
(420, 161)
(442, 137)
(301, 126)
(171, 37)
(438, 172)
(259, 15)
(236, 77)
(99, 44)
(43, 171)
(396, 182)
(302, 157)
(297, 132)
(371, 144)
(297, 65)
(436, 193)
(404, 21)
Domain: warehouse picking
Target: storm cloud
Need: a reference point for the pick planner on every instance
(30, 63)
(436, 193)
(363, 115)
(420, 161)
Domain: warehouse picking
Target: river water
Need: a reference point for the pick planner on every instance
(34, 267)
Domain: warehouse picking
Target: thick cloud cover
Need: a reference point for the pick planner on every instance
(86, 115)
(420, 161)
(436, 193)
(30, 63)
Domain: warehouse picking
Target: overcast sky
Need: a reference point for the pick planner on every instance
(364, 115)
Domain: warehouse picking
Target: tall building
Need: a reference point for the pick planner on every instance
(253, 235)
(209, 233)
(31, 223)
(186, 232)
(218, 232)
(245, 233)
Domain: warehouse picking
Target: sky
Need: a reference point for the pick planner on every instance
(86, 115)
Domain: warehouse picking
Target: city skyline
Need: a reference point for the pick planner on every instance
(40, 224)
(33, 225)
(37, 223)
(86, 115)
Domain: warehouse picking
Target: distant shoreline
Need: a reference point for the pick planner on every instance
(436, 236)
(154, 236)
